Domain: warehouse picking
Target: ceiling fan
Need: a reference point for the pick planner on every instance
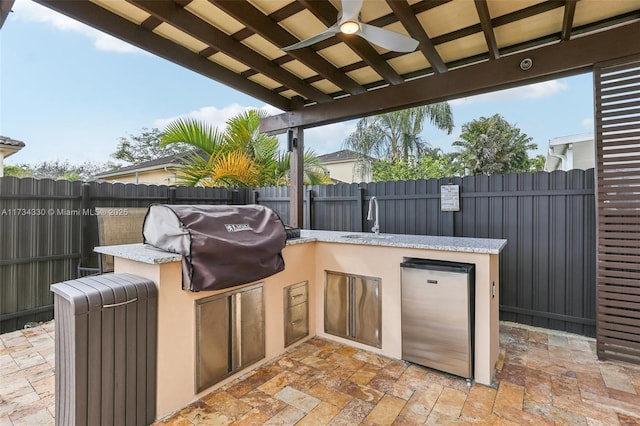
(349, 23)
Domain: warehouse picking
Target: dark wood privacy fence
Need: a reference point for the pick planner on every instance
(617, 99)
(547, 269)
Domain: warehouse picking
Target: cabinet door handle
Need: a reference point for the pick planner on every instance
(296, 322)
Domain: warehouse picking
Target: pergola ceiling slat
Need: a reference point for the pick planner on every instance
(408, 18)
(527, 12)
(259, 23)
(151, 23)
(177, 16)
(567, 21)
(487, 28)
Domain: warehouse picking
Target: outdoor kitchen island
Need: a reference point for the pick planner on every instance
(308, 259)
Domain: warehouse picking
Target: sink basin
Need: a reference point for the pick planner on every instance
(364, 236)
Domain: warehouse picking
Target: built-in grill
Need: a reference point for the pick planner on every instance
(221, 246)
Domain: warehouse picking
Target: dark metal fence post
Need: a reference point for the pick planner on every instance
(172, 194)
(308, 213)
(84, 222)
(256, 195)
(234, 196)
(360, 209)
(447, 219)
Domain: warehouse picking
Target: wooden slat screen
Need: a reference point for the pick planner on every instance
(617, 102)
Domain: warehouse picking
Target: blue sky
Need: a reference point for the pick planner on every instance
(70, 92)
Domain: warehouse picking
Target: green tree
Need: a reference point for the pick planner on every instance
(238, 156)
(492, 145)
(314, 172)
(58, 169)
(426, 167)
(145, 146)
(395, 135)
(20, 171)
(71, 175)
(536, 164)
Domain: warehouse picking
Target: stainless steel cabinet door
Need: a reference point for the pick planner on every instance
(250, 311)
(336, 305)
(352, 308)
(230, 334)
(213, 340)
(366, 310)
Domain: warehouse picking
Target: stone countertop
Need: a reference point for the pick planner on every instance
(140, 252)
(151, 255)
(423, 242)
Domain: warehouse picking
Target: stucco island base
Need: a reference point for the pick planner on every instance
(307, 259)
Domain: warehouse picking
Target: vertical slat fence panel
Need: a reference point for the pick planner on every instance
(617, 101)
(546, 279)
(39, 242)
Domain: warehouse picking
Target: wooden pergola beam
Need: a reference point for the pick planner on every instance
(567, 20)
(487, 28)
(5, 9)
(250, 16)
(566, 58)
(189, 23)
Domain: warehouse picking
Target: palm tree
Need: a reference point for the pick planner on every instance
(243, 135)
(238, 156)
(314, 172)
(214, 162)
(395, 135)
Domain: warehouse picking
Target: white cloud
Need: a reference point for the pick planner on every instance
(322, 140)
(533, 91)
(210, 114)
(29, 11)
(329, 138)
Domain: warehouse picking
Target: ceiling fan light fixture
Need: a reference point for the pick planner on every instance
(349, 23)
(349, 27)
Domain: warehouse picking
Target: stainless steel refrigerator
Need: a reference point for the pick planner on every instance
(437, 315)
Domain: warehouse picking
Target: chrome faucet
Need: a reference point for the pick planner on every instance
(376, 225)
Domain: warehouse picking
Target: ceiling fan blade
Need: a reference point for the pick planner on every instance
(314, 39)
(350, 10)
(387, 39)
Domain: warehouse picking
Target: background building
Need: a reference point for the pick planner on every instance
(571, 152)
(345, 166)
(8, 147)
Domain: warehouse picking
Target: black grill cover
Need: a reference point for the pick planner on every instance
(222, 246)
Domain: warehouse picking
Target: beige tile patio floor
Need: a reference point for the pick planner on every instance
(545, 378)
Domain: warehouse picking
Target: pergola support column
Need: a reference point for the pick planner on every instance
(296, 192)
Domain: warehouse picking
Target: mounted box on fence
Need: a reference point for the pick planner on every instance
(450, 198)
(221, 246)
